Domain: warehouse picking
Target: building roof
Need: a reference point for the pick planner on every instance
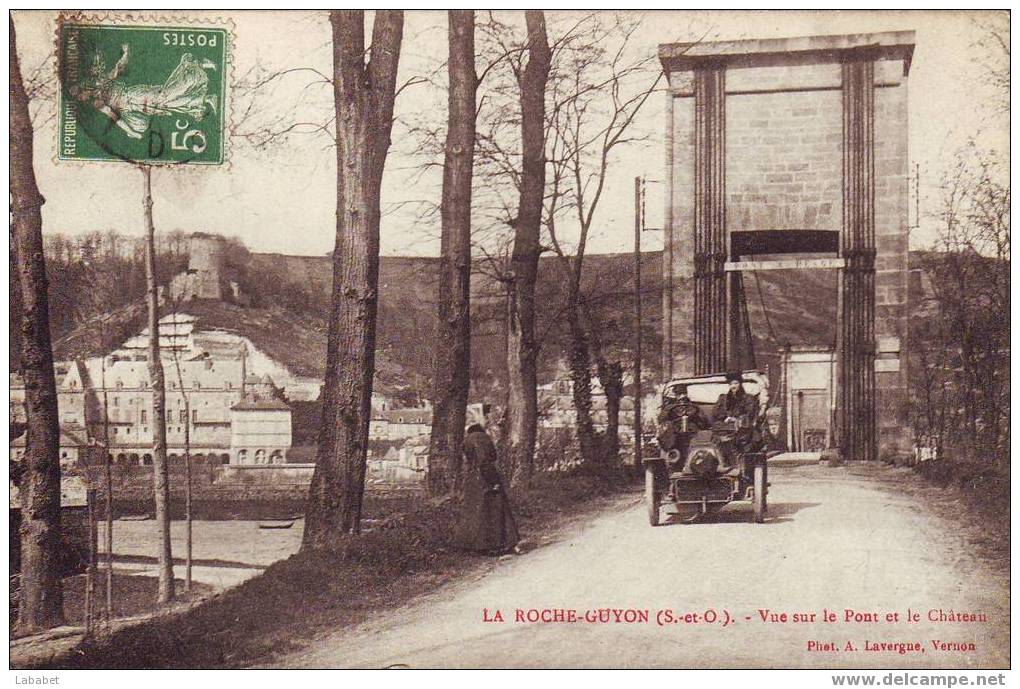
(408, 415)
(71, 435)
(257, 403)
(896, 44)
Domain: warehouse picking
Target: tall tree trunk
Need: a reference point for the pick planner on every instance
(160, 471)
(611, 377)
(42, 600)
(522, 395)
(452, 370)
(363, 95)
(580, 377)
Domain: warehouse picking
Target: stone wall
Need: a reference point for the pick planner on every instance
(286, 484)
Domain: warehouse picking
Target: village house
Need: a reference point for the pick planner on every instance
(73, 443)
(216, 392)
(400, 423)
(260, 430)
(403, 467)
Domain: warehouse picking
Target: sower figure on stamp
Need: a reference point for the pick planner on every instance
(184, 93)
(486, 522)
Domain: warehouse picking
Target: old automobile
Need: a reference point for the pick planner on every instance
(702, 464)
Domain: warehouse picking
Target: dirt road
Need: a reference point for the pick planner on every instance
(836, 540)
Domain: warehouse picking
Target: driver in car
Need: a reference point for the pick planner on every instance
(676, 406)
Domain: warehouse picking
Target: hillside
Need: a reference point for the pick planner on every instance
(284, 303)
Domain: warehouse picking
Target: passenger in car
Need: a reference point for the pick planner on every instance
(735, 404)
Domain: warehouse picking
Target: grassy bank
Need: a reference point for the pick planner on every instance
(975, 495)
(312, 593)
(984, 492)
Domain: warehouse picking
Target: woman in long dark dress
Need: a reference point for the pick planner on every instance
(486, 520)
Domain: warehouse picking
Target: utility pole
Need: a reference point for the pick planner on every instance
(638, 223)
(161, 476)
(107, 474)
(90, 573)
(640, 192)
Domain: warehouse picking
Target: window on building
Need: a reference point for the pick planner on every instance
(144, 415)
(197, 385)
(116, 401)
(119, 384)
(194, 416)
(229, 385)
(182, 416)
(173, 385)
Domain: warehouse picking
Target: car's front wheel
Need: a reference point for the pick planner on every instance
(651, 495)
(759, 494)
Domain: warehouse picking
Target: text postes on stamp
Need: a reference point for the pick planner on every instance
(148, 94)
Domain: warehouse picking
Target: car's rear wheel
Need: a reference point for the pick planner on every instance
(651, 495)
(759, 494)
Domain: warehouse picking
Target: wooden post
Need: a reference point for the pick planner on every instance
(108, 480)
(90, 573)
(187, 488)
(161, 476)
(638, 222)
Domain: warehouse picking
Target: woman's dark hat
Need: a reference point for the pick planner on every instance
(734, 376)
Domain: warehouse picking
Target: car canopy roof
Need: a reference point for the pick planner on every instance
(705, 389)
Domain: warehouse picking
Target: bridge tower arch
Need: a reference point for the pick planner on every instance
(793, 146)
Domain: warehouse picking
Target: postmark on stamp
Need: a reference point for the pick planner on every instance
(143, 94)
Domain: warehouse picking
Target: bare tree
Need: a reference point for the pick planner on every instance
(597, 90)
(522, 349)
(961, 339)
(160, 471)
(993, 58)
(98, 300)
(41, 603)
(452, 369)
(364, 94)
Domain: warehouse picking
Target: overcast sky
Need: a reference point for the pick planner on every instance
(282, 199)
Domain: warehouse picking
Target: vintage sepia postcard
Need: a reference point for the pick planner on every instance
(495, 339)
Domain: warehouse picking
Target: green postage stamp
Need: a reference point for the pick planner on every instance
(147, 94)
